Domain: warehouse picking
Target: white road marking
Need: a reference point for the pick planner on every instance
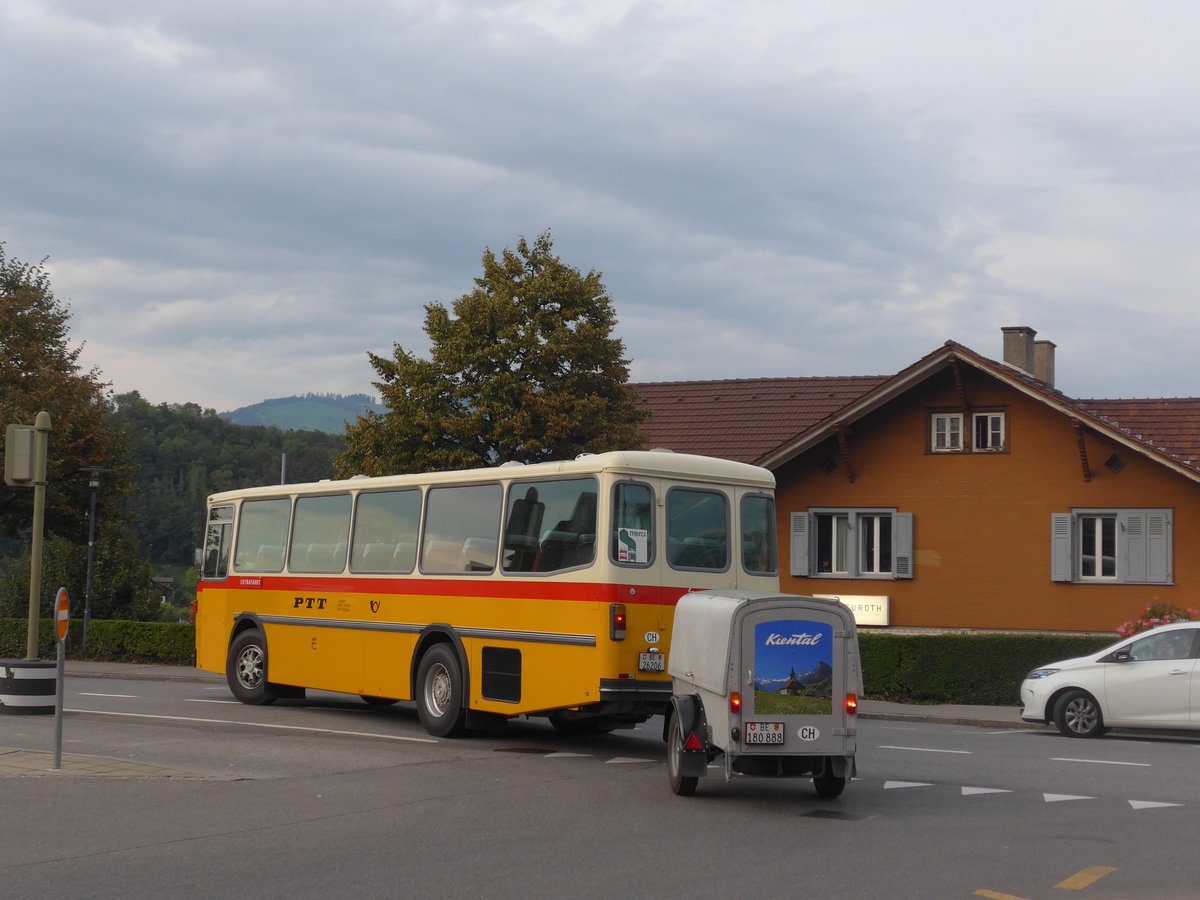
(202, 700)
(970, 791)
(889, 785)
(366, 734)
(1150, 804)
(121, 696)
(1099, 762)
(626, 760)
(1058, 798)
(562, 754)
(924, 749)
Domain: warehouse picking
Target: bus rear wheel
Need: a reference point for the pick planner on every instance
(246, 669)
(440, 693)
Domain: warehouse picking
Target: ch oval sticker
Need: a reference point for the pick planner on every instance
(809, 733)
(653, 637)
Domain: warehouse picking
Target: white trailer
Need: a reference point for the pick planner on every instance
(769, 682)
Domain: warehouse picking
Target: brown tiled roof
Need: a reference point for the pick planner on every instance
(743, 419)
(1170, 425)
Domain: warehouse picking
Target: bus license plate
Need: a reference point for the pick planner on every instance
(764, 732)
(652, 662)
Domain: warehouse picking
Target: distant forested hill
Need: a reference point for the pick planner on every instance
(181, 453)
(310, 412)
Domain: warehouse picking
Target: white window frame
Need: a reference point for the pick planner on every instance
(871, 558)
(946, 432)
(807, 560)
(995, 431)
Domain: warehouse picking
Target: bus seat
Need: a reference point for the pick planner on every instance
(478, 555)
(376, 556)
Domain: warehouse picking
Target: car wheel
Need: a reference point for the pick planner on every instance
(1077, 714)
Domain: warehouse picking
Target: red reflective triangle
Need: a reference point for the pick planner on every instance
(693, 742)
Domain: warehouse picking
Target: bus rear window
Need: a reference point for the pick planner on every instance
(759, 549)
(697, 529)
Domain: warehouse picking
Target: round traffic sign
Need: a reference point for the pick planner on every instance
(62, 613)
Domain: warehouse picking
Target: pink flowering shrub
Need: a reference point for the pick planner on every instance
(1156, 613)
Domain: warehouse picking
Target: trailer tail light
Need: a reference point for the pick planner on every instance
(616, 621)
(852, 703)
(735, 702)
(693, 742)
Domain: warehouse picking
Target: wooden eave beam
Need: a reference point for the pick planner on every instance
(959, 386)
(844, 451)
(1083, 457)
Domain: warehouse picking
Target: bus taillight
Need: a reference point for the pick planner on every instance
(616, 613)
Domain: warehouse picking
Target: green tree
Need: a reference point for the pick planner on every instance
(40, 370)
(524, 368)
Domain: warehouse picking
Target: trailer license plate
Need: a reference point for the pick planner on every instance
(652, 662)
(764, 732)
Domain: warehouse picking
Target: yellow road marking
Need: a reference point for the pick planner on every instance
(992, 895)
(1086, 878)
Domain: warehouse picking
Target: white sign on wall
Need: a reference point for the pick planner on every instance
(868, 610)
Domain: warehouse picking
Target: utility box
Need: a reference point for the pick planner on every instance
(19, 455)
(768, 682)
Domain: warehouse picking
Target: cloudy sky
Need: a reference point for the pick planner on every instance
(239, 199)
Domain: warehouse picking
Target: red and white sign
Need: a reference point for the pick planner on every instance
(62, 613)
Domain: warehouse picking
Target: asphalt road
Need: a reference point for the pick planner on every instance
(331, 797)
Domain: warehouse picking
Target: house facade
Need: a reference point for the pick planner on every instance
(963, 492)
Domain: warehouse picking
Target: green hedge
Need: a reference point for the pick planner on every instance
(908, 668)
(107, 640)
(968, 668)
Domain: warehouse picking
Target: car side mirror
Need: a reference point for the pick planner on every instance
(1122, 656)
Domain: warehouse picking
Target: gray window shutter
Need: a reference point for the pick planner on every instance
(902, 545)
(1147, 551)
(800, 532)
(1060, 546)
(1134, 555)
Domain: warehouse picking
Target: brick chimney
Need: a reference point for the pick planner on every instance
(1018, 347)
(1043, 362)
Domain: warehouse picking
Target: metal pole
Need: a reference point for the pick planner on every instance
(94, 484)
(41, 442)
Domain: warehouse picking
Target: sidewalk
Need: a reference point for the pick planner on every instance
(28, 763)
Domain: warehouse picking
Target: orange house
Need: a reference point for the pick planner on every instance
(962, 492)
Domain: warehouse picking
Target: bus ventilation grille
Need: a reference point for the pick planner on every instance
(502, 674)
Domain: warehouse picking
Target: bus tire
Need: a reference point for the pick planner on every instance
(246, 669)
(440, 692)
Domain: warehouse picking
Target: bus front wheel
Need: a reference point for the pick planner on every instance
(246, 669)
(440, 692)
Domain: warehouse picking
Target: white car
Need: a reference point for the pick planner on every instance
(1150, 680)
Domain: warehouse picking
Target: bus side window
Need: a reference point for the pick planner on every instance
(385, 531)
(633, 524)
(570, 543)
(319, 534)
(262, 533)
(462, 524)
(216, 543)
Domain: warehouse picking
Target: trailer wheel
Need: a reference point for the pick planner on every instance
(828, 784)
(682, 785)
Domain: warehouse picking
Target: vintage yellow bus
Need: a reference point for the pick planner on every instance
(545, 589)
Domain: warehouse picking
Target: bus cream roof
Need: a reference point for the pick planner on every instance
(646, 463)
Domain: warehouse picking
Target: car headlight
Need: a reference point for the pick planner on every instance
(1041, 673)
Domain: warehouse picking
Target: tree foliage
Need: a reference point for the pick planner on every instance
(522, 368)
(40, 370)
(183, 453)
